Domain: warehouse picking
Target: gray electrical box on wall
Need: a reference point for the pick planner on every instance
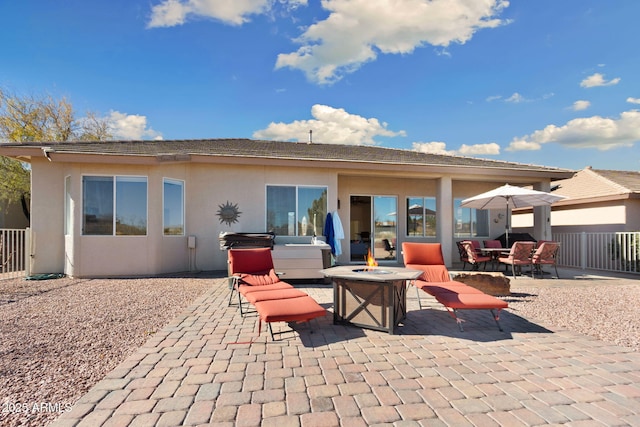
(191, 242)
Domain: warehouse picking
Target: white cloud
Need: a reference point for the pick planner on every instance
(170, 13)
(330, 126)
(516, 98)
(130, 127)
(580, 105)
(438, 147)
(633, 100)
(597, 79)
(434, 147)
(490, 149)
(357, 30)
(493, 98)
(597, 132)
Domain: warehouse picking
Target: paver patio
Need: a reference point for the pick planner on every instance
(195, 372)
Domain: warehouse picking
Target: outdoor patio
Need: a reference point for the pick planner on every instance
(194, 372)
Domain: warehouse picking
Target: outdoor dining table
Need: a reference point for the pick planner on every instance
(495, 254)
(370, 297)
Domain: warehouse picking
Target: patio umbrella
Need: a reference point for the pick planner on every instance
(509, 197)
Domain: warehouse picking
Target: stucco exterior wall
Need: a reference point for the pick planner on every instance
(47, 217)
(608, 216)
(207, 187)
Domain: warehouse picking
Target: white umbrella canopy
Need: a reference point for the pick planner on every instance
(509, 197)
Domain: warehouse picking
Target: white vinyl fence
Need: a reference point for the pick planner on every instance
(618, 252)
(13, 243)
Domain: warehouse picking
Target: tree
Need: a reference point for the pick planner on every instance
(25, 119)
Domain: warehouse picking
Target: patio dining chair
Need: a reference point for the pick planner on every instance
(474, 257)
(546, 254)
(519, 255)
(493, 244)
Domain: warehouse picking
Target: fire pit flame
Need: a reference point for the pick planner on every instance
(371, 266)
(371, 261)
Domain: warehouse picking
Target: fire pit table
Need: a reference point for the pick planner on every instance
(370, 297)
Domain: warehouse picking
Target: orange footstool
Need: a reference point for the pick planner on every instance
(300, 309)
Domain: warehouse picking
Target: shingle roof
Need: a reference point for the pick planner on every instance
(627, 179)
(597, 183)
(280, 150)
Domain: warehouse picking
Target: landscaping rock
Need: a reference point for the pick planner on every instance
(491, 283)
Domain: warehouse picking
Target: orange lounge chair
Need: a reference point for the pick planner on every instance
(254, 278)
(251, 270)
(436, 281)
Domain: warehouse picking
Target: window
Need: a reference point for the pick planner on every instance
(421, 216)
(469, 222)
(114, 205)
(173, 207)
(296, 210)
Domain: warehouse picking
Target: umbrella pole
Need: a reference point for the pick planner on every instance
(506, 231)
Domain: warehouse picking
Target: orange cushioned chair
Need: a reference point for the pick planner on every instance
(255, 279)
(251, 270)
(436, 281)
(519, 255)
(474, 257)
(546, 254)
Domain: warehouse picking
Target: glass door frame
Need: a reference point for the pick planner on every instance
(383, 224)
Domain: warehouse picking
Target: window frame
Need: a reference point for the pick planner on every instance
(182, 183)
(474, 215)
(297, 187)
(424, 217)
(114, 212)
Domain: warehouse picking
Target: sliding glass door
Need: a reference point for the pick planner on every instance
(373, 227)
(385, 222)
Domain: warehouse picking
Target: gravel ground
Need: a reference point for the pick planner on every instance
(59, 337)
(610, 313)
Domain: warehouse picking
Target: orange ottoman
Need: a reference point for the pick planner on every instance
(299, 309)
(257, 296)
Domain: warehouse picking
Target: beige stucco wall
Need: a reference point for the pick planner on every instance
(402, 188)
(47, 217)
(207, 187)
(607, 216)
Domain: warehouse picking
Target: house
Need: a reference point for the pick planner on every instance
(12, 216)
(128, 208)
(597, 201)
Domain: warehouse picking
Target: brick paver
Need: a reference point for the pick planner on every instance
(194, 372)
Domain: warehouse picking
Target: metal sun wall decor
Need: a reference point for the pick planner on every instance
(228, 213)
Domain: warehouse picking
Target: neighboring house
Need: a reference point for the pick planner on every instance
(12, 216)
(128, 208)
(597, 201)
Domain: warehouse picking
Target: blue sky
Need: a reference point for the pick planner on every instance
(544, 82)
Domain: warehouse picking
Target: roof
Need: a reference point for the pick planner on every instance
(182, 149)
(598, 184)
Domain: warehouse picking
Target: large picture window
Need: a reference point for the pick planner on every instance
(173, 207)
(421, 216)
(114, 205)
(296, 210)
(468, 222)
